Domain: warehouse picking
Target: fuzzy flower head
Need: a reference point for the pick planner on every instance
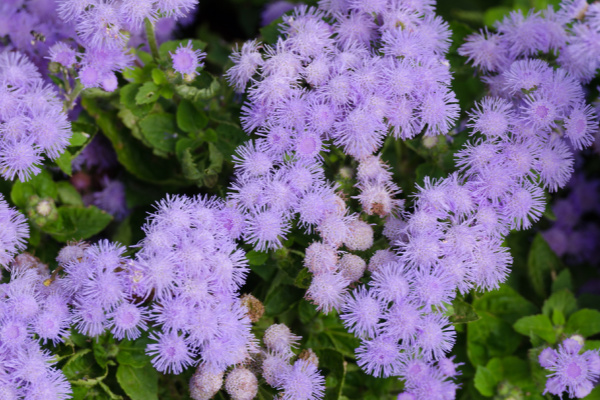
(572, 372)
(279, 339)
(186, 60)
(302, 382)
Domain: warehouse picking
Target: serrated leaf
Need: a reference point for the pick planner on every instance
(78, 223)
(189, 168)
(160, 131)
(303, 279)
(485, 381)
(65, 162)
(257, 257)
(133, 353)
(147, 93)
(563, 301)
(541, 262)
(463, 312)
(68, 195)
(194, 94)
(585, 322)
(189, 118)
(539, 325)
(159, 77)
(138, 383)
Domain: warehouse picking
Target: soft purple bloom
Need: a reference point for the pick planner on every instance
(170, 352)
(186, 60)
(379, 357)
(361, 313)
(302, 382)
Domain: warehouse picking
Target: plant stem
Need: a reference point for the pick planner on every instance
(151, 36)
(72, 96)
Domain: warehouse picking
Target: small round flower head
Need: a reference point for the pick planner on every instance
(555, 165)
(327, 291)
(310, 356)
(491, 262)
(127, 320)
(241, 384)
(492, 117)
(255, 307)
(134, 12)
(540, 112)
(265, 229)
(273, 368)
(205, 383)
(320, 258)
(485, 50)
(334, 229)
(360, 237)
(526, 75)
(176, 8)
(432, 287)
(302, 382)
(186, 60)
(251, 160)
(19, 158)
(390, 282)
(361, 313)
(246, 61)
(170, 352)
(14, 232)
(439, 111)
(435, 335)
(381, 258)
(581, 126)
(379, 357)
(100, 26)
(571, 371)
(352, 267)
(525, 205)
(63, 54)
(279, 339)
(17, 70)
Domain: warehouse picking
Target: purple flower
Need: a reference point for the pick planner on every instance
(14, 233)
(361, 313)
(379, 357)
(302, 382)
(186, 60)
(170, 352)
(571, 372)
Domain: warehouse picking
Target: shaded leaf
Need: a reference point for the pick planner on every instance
(539, 325)
(140, 383)
(585, 322)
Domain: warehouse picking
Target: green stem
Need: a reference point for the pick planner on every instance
(150, 35)
(73, 94)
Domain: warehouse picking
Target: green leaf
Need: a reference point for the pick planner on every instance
(68, 195)
(78, 223)
(485, 381)
(490, 336)
(257, 257)
(41, 185)
(159, 77)
(270, 33)
(541, 263)
(128, 99)
(303, 279)
(64, 162)
(189, 118)
(539, 325)
(585, 322)
(505, 303)
(148, 93)
(563, 281)
(562, 301)
(463, 312)
(160, 131)
(82, 370)
(133, 353)
(494, 14)
(138, 383)
(281, 299)
(332, 364)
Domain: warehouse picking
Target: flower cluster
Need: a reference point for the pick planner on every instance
(573, 33)
(14, 233)
(31, 311)
(191, 266)
(299, 380)
(572, 372)
(428, 380)
(56, 31)
(32, 121)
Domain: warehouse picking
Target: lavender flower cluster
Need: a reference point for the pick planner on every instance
(32, 120)
(14, 233)
(190, 264)
(90, 38)
(572, 372)
(346, 73)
